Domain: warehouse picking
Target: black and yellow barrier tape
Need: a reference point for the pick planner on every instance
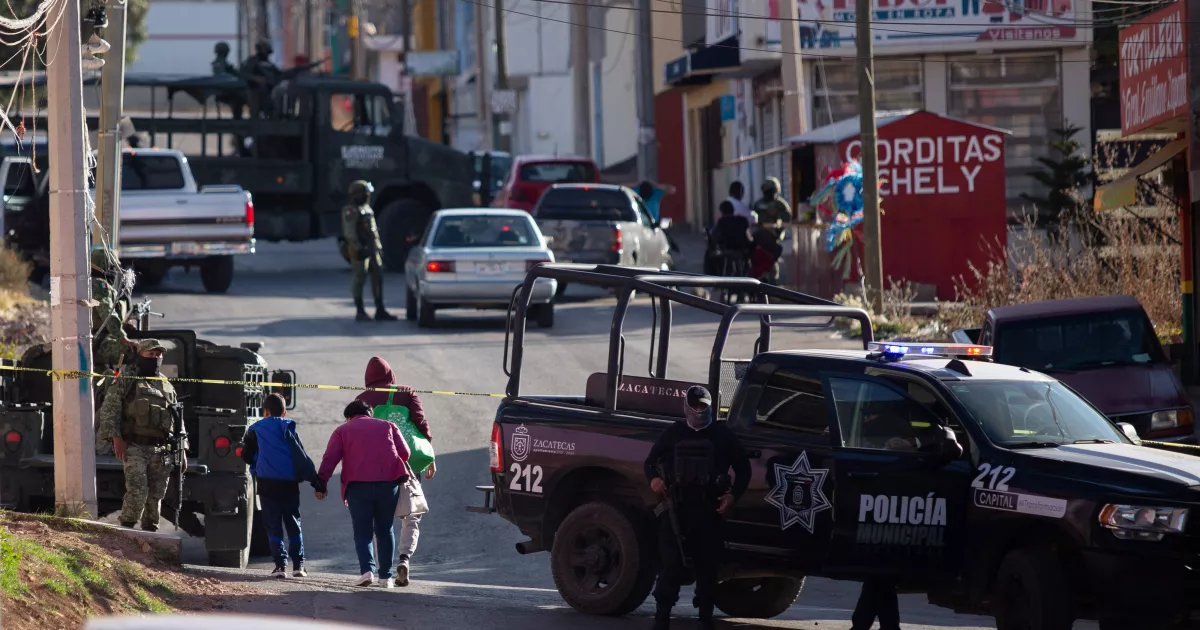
(61, 375)
(1186, 447)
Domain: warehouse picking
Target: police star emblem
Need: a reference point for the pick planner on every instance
(799, 493)
(520, 444)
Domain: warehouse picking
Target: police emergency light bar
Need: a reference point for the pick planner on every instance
(930, 349)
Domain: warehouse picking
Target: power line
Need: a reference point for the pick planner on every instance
(811, 53)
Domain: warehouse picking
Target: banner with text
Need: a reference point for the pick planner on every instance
(1154, 84)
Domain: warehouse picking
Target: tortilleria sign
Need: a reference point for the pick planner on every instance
(1154, 85)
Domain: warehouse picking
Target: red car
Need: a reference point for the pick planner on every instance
(531, 175)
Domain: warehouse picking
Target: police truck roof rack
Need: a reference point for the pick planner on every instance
(899, 350)
(665, 289)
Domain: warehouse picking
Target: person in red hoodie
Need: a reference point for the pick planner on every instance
(379, 374)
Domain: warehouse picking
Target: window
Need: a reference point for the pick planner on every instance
(485, 231)
(151, 172)
(366, 114)
(794, 403)
(1029, 414)
(585, 204)
(1080, 342)
(1020, 93)
(875, 416)
(557, 173)
(21, 181)
(898, 86)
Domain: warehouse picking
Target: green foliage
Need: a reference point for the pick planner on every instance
(135, 29)
(1065, 174)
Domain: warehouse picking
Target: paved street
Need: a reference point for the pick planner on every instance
(294, 297)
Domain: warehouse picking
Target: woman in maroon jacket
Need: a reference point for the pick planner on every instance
(379, 374)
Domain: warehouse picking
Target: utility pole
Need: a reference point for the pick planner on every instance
(647, 157)
(358, 49)
(70, 321)
(504, 118)
(872, 253)
(581, 75)
(795, 117)
(481, 82)
(112, 102)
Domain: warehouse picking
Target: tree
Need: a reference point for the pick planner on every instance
(1065, 176)
(135, 30)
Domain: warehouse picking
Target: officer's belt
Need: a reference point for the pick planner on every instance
(145, 441)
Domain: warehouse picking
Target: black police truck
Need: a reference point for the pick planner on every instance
(218, 503)
(1050, 514)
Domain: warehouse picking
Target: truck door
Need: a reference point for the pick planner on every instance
(898, 511)
(787, 511)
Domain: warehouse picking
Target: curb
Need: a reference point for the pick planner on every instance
(166, 547)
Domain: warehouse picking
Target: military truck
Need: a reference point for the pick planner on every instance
(323, 133)
(219, 501)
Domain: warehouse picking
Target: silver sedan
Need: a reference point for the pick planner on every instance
(474, 257)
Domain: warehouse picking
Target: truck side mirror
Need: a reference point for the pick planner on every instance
(943, 445)
(1130, 432)
(287, 379)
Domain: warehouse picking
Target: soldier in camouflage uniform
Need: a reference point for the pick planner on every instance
(222, 67)
(138, 419)
(263, 75)
(364, 249)
(111, 346)
(773, 214)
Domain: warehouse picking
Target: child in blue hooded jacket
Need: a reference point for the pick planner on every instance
(280, 464)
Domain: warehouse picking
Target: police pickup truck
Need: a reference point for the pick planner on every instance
(1050, 514)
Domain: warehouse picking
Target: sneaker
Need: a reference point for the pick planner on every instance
(300, 572)
(279, 572)
(402, 574)
(367, 579)
(389, 583)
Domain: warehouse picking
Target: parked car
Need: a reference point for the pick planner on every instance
(474, 257)
(532, 175)
(1105, 348)
(166, 220)
(602, 224)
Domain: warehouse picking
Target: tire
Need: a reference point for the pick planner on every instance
(561, 290)
(758, 598)
(149, 277)
(260, 543)
(401, 225)
(545, 315)
(619, 545)
(216, 273)
(426, 313)
(229, 559)
(410, 305)
(1032, 592)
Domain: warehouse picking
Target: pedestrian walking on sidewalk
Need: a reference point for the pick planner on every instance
(402, 408)
(279, 463)
(652, 195)
(372, 454)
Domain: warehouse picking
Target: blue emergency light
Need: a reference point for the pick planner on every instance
(895, 351)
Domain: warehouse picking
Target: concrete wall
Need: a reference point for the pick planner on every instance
(618, 95)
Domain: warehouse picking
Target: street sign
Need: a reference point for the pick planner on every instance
(504, 101)
(432, 63)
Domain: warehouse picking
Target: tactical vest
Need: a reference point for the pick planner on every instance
(148, 412)
(693, 463)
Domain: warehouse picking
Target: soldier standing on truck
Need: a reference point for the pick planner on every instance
(364, 249)
(695, 456)
(222, 67)
(263, 75)
(137, 416)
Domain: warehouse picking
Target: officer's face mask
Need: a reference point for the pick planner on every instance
(698, 419)
(360, 200)
(149, 366)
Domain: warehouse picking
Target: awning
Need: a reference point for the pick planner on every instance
(702, 65)
(1122, 191)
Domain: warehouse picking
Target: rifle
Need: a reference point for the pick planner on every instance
(141, 314)
(669, 505)
(178, 455)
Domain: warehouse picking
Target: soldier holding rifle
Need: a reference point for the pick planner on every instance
(689, 465)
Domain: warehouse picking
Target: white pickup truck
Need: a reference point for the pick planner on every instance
(166, 220)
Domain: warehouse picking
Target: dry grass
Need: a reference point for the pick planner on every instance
(1126, 256)
(24, 321)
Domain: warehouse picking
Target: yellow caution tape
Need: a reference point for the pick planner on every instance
(1191, 447)
(64, 375)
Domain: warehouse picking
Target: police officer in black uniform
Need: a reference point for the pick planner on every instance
(690, 464)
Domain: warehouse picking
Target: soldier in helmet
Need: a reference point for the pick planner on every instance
(773, 213)
(364, 249)
(138, 417)
(220, 64)
(262, 75)
(111, 346)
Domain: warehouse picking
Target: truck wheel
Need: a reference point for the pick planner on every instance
(758, 598)
(410, 305)
(544, 315)
(401, 225)
(602, 560)
(216, 273)
(1032, 592)
(260, 543)
(561, 290)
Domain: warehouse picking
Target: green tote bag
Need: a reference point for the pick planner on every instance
(419, 448)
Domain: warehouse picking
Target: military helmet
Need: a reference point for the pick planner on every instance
(147, 345)
(222, 48)
(263, 47)
(770, 185)
(361, 187)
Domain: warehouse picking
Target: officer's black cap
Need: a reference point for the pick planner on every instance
(698, 396)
